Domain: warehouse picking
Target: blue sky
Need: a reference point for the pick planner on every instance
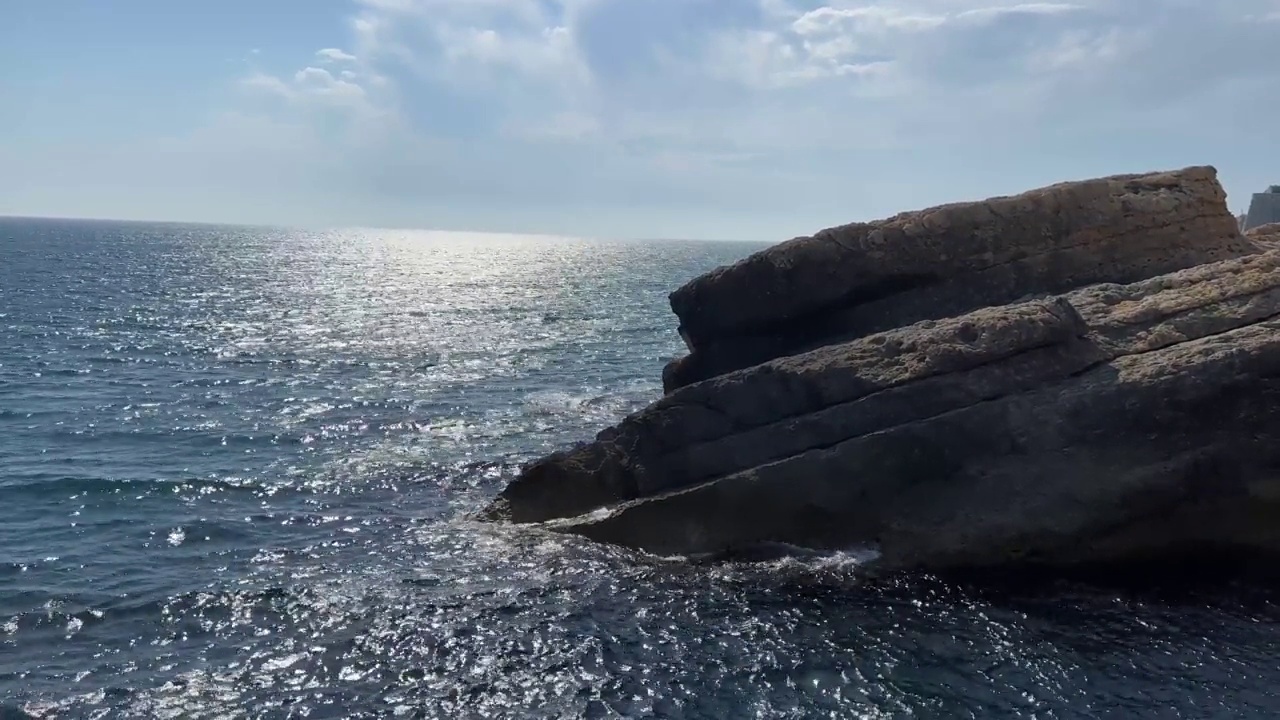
(734, 119)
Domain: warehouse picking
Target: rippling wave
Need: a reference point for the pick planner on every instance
(237, 467)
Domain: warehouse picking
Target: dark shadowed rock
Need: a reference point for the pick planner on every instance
(1062, 453)
(1100, 421)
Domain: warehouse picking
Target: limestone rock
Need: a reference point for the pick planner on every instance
(1082, 420)
(851, 281)
(1269, 233)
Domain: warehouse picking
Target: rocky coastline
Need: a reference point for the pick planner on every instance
(1081, 373)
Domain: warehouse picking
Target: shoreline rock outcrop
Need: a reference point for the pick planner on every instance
(1081, 373)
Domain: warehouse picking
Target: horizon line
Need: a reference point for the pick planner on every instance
(371, 228)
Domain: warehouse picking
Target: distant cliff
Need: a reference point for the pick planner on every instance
(1264, 209)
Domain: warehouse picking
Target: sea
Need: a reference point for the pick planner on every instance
(238, 473)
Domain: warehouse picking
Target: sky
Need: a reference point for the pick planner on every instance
(720, 119)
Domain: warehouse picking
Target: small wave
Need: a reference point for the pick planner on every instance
(600, 406)
(63, 372)
(780, 555)
(77, 484)
(13, 712)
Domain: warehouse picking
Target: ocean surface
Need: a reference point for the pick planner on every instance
(237, 465)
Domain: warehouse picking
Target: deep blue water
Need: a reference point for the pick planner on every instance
(236, 467)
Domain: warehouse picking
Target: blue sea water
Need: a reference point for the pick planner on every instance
(237, 465)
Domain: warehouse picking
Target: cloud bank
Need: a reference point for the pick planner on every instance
(730, 118)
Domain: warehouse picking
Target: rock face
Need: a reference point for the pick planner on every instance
(851, 281)
(1081, 373)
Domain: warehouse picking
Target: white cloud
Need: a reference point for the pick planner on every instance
(527, 36)
(771, 59)
(883, 47)
(335, 55)
(1037, 8)
(269, 84)
(731, 118)
(315, 87)
(549, 53)
(357, 92)
(789, 102)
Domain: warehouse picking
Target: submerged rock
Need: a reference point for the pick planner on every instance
(1082, 373)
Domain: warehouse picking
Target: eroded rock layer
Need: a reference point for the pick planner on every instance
(851, 281)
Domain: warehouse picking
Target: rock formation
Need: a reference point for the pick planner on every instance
(1080, 373)
(857, 279)
(1265, 233)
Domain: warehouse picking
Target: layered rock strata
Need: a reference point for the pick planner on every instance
(857, 279)
(1101, 388)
